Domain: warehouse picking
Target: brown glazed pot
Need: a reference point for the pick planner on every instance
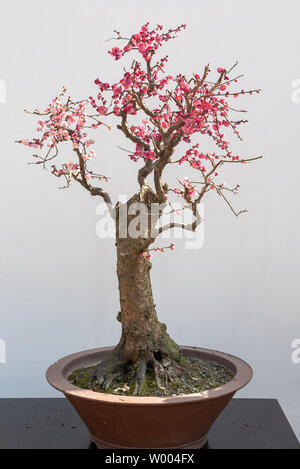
(148, 422)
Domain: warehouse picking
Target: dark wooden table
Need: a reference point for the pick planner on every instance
(54, 424)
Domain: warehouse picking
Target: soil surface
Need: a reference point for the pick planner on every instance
(201, 376)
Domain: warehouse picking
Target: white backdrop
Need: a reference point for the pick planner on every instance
(240, 292)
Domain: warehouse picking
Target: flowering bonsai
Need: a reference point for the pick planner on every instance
(156, 112)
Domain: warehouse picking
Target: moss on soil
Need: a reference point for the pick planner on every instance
(202, 375)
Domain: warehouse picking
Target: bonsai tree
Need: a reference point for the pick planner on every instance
(155, 112)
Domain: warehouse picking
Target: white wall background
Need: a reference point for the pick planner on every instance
(240, 293)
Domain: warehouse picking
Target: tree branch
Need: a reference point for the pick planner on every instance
(94, 191)
(145, 170)
(125, 129)
(190, 227)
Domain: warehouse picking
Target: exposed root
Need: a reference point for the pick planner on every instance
(108, 380)
(154, 376)
(159, 375)
(109, 368)
(166, 370)
(141, 372)
(164, 366)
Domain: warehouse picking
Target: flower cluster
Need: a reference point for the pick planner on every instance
(185, 106)
(173, 110)
(145, 41)
(64, 120)
(148, 256)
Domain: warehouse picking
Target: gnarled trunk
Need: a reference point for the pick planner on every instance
(144, 341)
(142, 334)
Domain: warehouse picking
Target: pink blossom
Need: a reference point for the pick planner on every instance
(102, 110)
(180, 109)
(116, 53)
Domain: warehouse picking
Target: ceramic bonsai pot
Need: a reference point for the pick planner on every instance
(129, 422)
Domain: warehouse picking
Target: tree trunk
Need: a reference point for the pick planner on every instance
(144, 341)
(142, 334)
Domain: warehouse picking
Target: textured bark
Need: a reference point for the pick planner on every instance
(144, 340)
(142, 334)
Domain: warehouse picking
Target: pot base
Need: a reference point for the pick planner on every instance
(135, 422)
(104, 445)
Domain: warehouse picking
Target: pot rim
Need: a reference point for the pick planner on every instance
(57, 373)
